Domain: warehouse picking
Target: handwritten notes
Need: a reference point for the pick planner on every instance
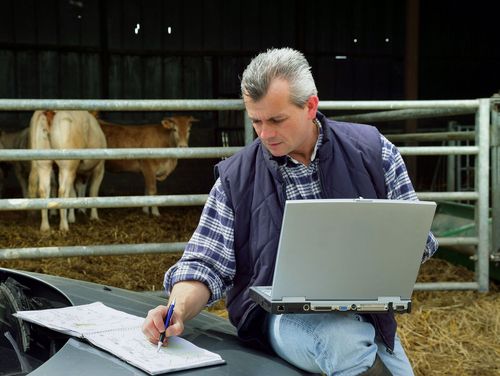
(120, 334)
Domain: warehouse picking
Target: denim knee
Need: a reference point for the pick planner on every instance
(343, 343)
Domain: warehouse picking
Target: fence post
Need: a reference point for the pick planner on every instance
(482, 203)
(248, 128)
(451, 179)
(495, 177)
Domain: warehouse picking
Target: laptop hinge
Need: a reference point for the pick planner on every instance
(389, 299)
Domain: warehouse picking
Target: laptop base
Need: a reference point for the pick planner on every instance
(300, 305)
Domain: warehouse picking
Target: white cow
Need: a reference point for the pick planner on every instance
(65, 130)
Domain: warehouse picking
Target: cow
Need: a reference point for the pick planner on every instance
(172, 132)
(65, 130)
(18, 140)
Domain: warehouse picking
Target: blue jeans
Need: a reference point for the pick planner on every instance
(338, 344)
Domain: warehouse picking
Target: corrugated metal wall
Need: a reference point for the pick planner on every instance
(193, 48)
(198, 49)
(459, 57)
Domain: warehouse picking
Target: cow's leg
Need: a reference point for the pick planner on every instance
(67, 173)
(150, 189)
(71, 211)
(33, 185)
(33, 181)
(81, 189)
(44, 170)
(145, 209)
(53, 191)
(18, 171)
(94, 185)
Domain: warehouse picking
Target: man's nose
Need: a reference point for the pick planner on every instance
(266, 131)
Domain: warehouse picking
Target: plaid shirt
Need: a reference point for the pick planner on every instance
(209, 256)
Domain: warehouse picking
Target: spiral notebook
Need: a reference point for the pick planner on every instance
(120, 334)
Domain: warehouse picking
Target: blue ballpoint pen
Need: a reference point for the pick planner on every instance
(167, 323)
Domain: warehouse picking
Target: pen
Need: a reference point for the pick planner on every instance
(167, 323)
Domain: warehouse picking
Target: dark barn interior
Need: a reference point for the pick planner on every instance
(196, 49)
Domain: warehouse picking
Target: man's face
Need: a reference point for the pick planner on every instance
(284, 128)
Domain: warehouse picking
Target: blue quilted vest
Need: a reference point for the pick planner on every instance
(350, 166)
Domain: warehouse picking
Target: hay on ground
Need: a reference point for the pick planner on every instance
(447, 333)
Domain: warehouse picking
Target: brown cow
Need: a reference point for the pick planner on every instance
(65, 130)
(173, 132)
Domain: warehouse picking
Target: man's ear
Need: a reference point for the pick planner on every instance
(312, 106)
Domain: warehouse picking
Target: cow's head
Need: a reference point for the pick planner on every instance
(181, 127)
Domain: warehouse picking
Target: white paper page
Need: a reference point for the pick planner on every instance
(131, 346)
(120, 334)
(79, 320)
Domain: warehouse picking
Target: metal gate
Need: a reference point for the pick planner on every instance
(399, 109)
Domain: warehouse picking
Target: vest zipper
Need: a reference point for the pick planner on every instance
(388, 348)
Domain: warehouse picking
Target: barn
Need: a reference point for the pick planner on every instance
(425, 73)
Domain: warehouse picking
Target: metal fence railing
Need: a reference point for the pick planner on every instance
(495, 178)
(411, 109)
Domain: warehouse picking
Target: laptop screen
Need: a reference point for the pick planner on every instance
(348, 249)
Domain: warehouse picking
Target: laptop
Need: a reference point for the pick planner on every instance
(357, 255)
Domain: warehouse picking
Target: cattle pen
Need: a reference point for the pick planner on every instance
(484, 242)
(412, 109)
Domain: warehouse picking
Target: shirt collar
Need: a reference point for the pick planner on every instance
(316, 146)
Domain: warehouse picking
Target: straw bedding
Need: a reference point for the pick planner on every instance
(447, 333)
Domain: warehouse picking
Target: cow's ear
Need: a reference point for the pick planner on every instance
(49, 114)
(193, 119)
(167, 123)
(95, 113)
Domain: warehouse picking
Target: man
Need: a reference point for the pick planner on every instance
(299, 154)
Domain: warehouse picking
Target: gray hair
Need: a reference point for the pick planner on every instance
(284, 63)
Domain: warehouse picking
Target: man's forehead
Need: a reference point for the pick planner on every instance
(263, 109)
(265, 115)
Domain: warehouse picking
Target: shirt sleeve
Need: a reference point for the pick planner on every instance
(399, 186)
(209, 255)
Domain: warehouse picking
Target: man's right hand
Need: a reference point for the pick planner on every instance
(190, 298)
(154, 324)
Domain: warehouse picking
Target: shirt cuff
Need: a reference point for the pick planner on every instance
(430, 247)
(194, 271)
